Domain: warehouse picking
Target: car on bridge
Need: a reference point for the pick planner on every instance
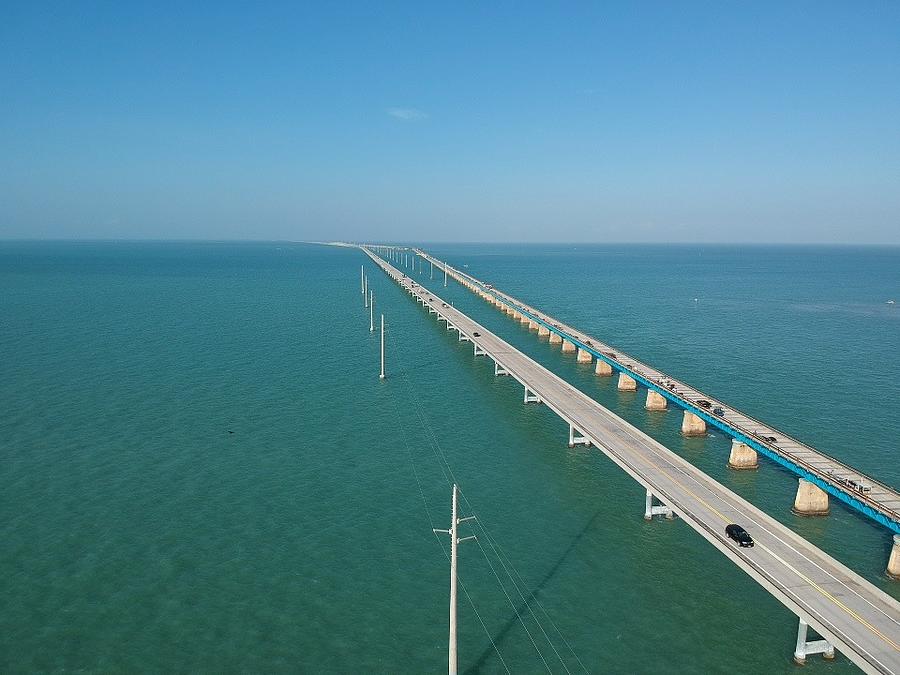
(739, 534)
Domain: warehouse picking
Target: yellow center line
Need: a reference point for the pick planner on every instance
(809, 581)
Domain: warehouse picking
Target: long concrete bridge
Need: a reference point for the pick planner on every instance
(820, 475)
(848, 612)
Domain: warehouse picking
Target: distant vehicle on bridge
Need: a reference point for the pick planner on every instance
(740, 535)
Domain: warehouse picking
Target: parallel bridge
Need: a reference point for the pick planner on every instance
(862, 493)
(849, 613)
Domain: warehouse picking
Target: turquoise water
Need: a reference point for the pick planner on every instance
(202, 471)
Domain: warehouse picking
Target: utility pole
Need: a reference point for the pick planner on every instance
(371, 311)
(366, 291)
(382, 348)
(362, 276)
(454, 542)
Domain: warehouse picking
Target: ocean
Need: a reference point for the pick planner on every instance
(202, 471)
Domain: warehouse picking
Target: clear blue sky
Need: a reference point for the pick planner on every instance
(497, 121)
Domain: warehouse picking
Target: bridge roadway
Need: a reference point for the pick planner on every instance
(881, 503)
(857, 618)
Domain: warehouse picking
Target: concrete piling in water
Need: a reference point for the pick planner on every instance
(603, 368)
(543, 331)
(692, 425)
(626, 383)
(742, 456)
(568, 347)
(811, 500)
(584, 356)
(532, 325)
(555, 338)
(655, 400)
(523, 318)
(893, 567)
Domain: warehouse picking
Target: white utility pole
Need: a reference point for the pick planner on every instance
(454, 542)
(371, 311)
(382, 347)
(366, 291)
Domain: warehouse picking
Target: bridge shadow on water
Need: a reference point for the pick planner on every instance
(513, 621)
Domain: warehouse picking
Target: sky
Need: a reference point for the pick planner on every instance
(483, 121)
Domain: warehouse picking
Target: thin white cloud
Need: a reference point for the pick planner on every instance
(406, 114)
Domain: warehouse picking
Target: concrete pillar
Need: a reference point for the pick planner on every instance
(568, 347)
(603, 368)
(543, 331)
(584, 356)
(532, 325)
(523, 318)
(805, 648)
(811, 500)
(626, 383)
(742, 456)
(655, 400)
(555, 338)
(692, 425)
(893, 568)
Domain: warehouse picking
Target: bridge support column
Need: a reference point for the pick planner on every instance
(555, 338)
(568, 347)
(651, 509)
(626, 383)
(532, 325)
(531, 397)
(804, 648)
(692, 425)
(811, 500)
(478, 351)
(603, 368)
(499, 370)
(742, 456)
(893, 567)
(655, 401)
(543, 331)
(576, 437)
(584, 356)
(523, 318)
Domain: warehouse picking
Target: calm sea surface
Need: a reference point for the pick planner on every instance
(202, 472)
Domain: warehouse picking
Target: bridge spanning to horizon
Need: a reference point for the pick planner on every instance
(820, 472)
(850, 613)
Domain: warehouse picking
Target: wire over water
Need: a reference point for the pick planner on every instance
(447, 470)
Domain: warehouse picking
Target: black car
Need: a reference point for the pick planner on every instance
(718, 411)
(739, 534)
(703, 403)
(476, 334)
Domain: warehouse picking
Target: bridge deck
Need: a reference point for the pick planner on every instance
(861, 621)
(881, 502)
